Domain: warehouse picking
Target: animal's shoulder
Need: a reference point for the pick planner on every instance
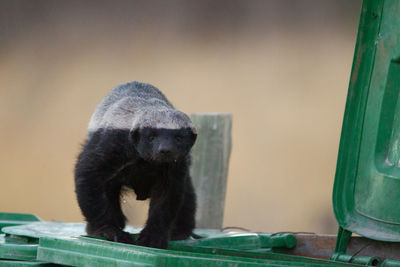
(120, 114)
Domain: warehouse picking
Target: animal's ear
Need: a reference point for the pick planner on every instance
(194, 131)
(194, 134)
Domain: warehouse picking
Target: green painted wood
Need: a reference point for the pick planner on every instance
(210, 162)
(367, 182)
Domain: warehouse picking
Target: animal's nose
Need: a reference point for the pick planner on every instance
(164, 149)
(165, 153)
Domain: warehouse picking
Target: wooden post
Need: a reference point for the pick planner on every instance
(210, 162)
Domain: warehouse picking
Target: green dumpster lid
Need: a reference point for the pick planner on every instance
(367, 183)
(9, 219)
(62, 243)
(85, 251)
(17, 251)
(34, 231)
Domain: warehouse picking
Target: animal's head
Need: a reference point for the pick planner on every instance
(163, 136)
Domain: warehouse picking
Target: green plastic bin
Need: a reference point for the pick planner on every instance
(367, 183)
(63, 243)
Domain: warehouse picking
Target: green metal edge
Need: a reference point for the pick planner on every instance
(349, 148)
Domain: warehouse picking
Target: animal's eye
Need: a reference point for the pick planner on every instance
(178, 138)
(151, 137)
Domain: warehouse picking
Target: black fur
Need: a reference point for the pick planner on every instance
(152, 162)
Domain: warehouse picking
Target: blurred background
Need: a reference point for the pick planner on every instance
(280, 67)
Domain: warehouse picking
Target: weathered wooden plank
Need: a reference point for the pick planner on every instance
(210, 162)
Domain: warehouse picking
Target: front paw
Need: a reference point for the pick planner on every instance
(152, 239)
(122, 237)
(114, 234)
(180, 236)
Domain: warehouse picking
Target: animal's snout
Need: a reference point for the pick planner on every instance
(164, 151)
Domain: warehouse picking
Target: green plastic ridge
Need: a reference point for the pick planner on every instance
(11, 219)
(17, 251)
(86, 251)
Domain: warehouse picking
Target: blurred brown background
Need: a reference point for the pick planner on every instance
(281, 67)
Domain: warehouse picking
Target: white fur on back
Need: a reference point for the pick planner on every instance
(137, 105)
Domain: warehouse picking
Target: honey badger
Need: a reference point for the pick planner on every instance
(137, 140)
